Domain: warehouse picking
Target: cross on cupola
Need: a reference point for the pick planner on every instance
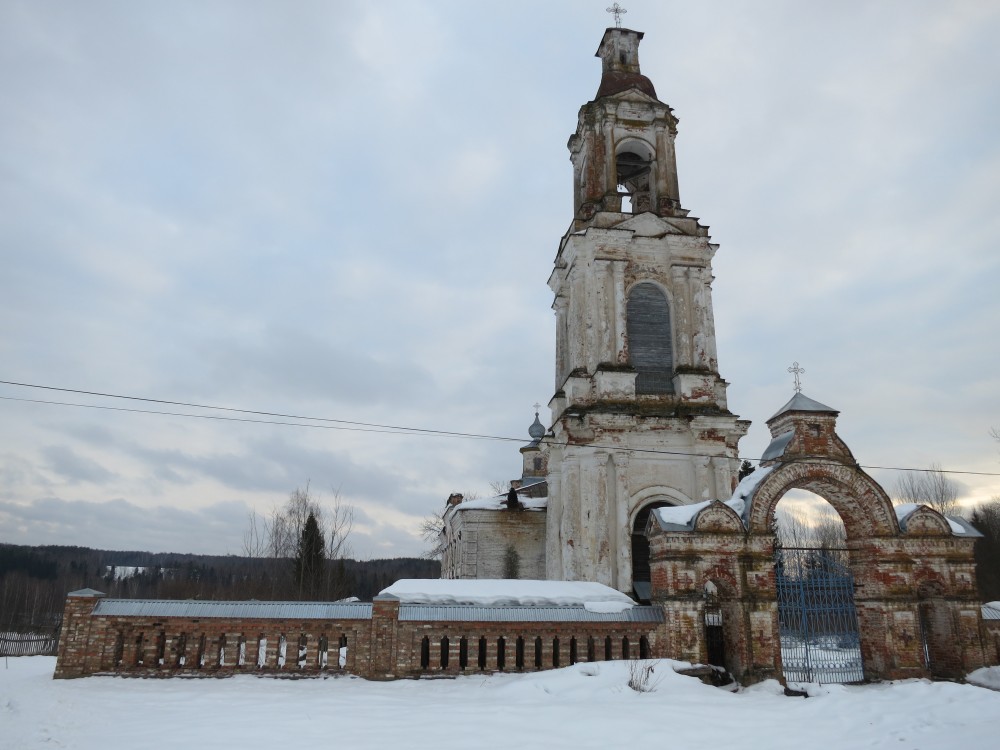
(796, 372)
(617, 11)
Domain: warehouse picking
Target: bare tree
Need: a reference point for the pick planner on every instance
(255, 538)
(338, 518)
(498, 487)
(287, 522)
(820, 528)
(432, 532)
(933, 488)
(432, 527)
(279, 536)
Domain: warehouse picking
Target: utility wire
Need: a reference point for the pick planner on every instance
(353, 426)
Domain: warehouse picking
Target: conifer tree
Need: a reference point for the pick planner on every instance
(310, 561)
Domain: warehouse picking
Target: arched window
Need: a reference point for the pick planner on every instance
(650, 342)
(425, 652)
(445, 645)
(632, 170)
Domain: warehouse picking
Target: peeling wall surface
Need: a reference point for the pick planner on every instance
(489, 543)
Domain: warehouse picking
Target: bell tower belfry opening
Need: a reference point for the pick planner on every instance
(639, 413)
(623, 148)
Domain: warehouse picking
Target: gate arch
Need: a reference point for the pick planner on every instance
(860, 502)
(905, 630)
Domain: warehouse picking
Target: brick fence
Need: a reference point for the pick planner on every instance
(387, 639)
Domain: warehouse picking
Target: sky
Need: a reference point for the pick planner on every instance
(350, 210)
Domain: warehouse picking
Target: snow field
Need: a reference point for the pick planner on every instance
(584, 706)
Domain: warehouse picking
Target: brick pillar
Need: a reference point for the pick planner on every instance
(380, 661)
(453, 642)
(77, 656)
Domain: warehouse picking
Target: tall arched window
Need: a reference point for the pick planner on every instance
(650, 341)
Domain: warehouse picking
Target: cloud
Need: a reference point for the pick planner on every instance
(72, 466)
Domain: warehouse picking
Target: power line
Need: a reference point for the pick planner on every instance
(279, 415)
(355, 426)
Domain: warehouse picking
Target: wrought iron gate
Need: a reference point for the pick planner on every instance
(817, 619)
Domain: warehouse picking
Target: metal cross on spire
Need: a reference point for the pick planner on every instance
(537, 407)
(796, 371)
(618, 12)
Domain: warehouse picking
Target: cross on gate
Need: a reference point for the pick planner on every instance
(618, 12)
(796, 371)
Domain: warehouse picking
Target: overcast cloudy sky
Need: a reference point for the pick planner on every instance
(350, 210)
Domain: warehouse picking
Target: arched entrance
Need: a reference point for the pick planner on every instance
(817, 620)
(820, 637)
(641, 576)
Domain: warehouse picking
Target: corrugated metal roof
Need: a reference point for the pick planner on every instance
(251, 610)
(991, 611)
(471, 613)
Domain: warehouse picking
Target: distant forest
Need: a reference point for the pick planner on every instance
(34, 581)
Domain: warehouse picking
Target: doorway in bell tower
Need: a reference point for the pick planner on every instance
(640, 552)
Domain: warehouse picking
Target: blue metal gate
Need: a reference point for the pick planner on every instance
(816, 615)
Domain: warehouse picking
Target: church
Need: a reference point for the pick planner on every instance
(628, 532)
(639, 418)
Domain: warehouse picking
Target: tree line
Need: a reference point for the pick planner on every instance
(300, 551)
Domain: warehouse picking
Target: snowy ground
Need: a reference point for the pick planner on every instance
(584, 706)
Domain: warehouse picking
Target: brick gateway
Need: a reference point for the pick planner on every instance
(914, 572)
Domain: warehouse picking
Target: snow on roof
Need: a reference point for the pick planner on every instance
(958, 526)
(86, 592)
(244, 609)
(748, 485)
(534, 613)
(991, 611)
(682, 517)
(500, 503)
(594, 597)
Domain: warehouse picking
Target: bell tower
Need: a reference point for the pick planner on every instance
(623, 156)
(639, 414)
